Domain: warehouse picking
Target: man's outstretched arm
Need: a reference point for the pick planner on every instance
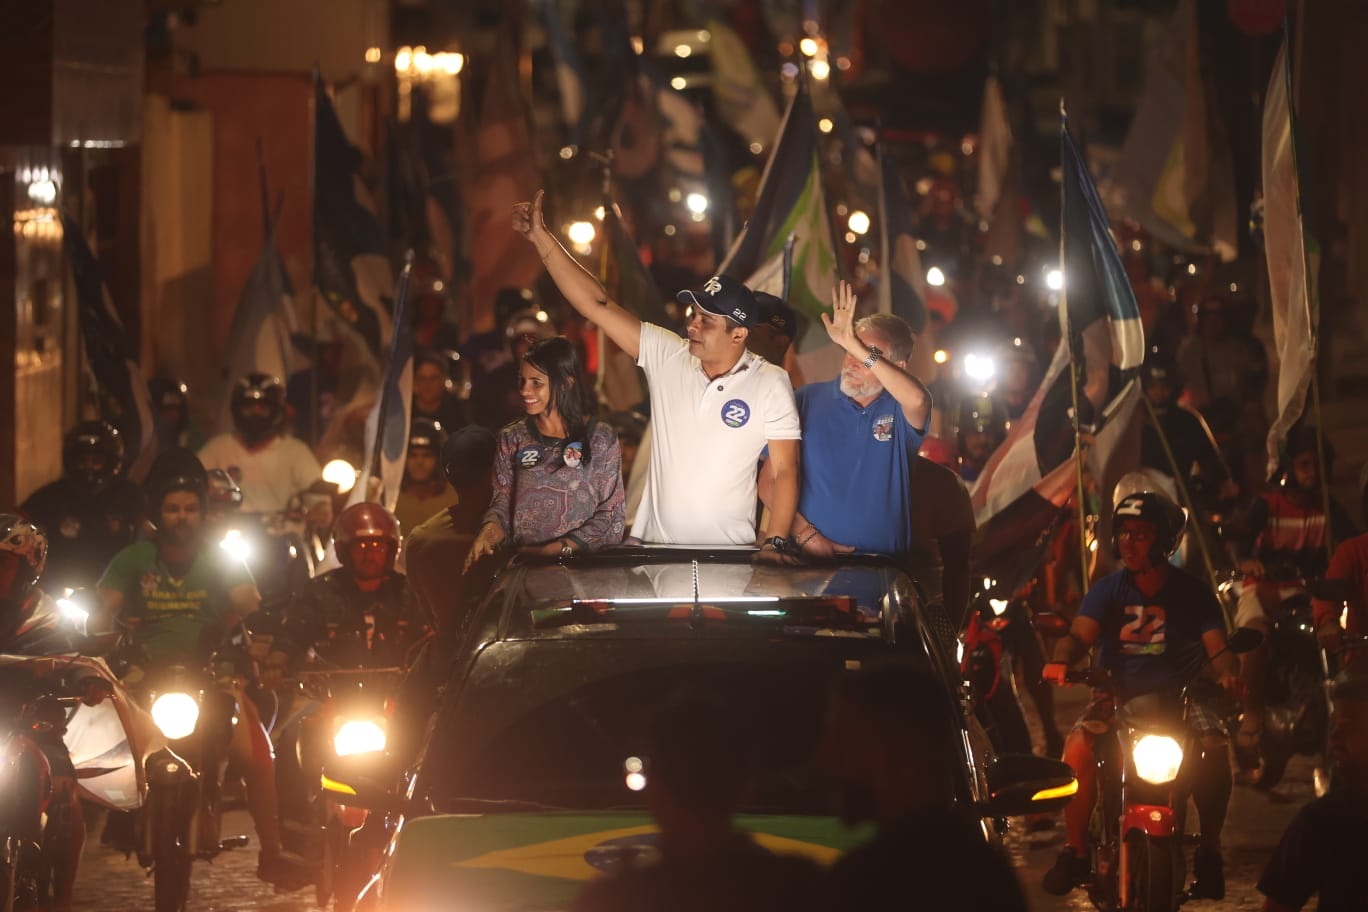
(581, 289)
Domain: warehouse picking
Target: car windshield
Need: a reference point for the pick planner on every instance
(724, 599)
(555, 714)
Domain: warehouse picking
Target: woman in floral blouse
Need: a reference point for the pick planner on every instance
(557, 472)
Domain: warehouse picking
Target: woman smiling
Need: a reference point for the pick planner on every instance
(558, 471)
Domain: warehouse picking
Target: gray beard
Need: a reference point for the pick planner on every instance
(859, 391)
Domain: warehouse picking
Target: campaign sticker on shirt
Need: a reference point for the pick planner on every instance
(528, 457)
(883, 428)
(735, 413)
(573, 455)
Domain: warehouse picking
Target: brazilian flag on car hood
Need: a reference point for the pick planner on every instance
(540, 861)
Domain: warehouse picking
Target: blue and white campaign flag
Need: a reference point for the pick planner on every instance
(570, 80)
(1104, 342)
(387, 427)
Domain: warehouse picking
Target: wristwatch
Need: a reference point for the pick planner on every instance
(566, 549)
(874, 356)
(777, 542)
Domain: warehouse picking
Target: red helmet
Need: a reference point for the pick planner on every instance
(364, 522)
(938, 451)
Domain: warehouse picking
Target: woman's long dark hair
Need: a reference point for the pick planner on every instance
(571, 395)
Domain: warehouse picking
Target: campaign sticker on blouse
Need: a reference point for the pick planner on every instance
(883, 428)
(528, 457)
(735, 413)
(574, 455)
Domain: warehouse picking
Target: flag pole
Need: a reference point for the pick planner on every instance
(605, 161)
(885, 266)
(315, 432)
(1068, 340)
(788, 267)
(382, 416)
(1183, 493)
(1306, 271)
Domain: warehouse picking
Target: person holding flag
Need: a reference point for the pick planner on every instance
(714, 406)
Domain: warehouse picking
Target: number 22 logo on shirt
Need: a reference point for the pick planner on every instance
(1143, 632)
(735, 413)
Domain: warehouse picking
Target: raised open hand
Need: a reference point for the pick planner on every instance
(527, 217)
(840, 324)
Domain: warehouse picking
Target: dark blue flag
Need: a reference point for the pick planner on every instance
(124, 398)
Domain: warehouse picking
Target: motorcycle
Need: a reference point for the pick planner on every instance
(1143, 783)
(182, 817)
(352, 718)
(1296, 713)
(1002, 632)
(56, 709)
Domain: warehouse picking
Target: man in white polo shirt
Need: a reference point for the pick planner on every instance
(714, 407)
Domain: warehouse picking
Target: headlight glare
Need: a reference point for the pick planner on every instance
(1157, 758)
(175, 714)
(358, 736)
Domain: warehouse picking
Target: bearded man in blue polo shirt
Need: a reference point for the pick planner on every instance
(861, 433)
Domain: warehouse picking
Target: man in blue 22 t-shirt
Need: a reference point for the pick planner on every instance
(861, 433)
(1155, 626)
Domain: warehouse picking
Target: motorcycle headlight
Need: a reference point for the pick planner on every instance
(175, 714)
(236, 546)
(358, 736)
(1157, 758)
(999, 606)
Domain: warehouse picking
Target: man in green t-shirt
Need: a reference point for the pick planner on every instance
(179, 594)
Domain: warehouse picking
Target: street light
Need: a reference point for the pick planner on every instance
(935, 277)
(697, 203)
(581, 233)
(858, 222)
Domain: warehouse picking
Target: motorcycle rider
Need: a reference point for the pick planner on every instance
(90, 512)
(178, 594)
(424, 491)
(363, 613)
(30, 624)
(1349, 567)
(980, 430)
(1287, 547)
(171, 399)
(1156, 626)
(1188, 437)
(269, 464)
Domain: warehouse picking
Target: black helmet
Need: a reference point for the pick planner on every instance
(176, 469)
(29, 546)
(251, 392)
(1161, 367)
(1169, 521)
(468, 456)
(168, 392)
(424, 432)
(99, 438)
(981, 413)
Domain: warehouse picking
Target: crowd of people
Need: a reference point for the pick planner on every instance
(727, 450)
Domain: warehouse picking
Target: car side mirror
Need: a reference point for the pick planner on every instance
(1020, 784)
(363, 781)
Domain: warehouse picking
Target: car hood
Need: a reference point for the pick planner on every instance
(539, 861)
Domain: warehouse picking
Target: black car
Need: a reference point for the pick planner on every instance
(529, 781)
